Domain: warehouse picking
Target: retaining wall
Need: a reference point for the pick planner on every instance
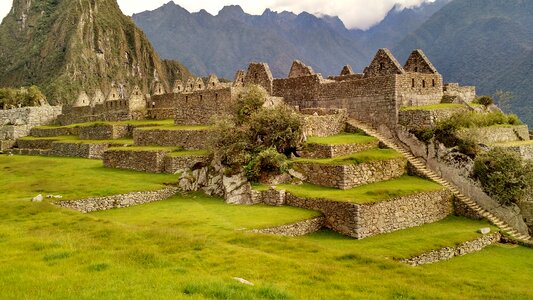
(364, 220)
(296, 229)
(330, 151)
(493, 135)
(66, 149)
(117, 201)
(188, 139)
(175, 164)
(105, 132)
(143, 161)
(349, 176)
(450, 252)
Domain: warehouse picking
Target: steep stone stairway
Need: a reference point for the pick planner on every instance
(423, 169)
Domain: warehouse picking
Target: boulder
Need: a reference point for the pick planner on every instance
(485, 230)
(38, 198)
(237, 190)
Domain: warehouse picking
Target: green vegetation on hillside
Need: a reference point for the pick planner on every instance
(375, 192)
(23, 97)
(65, 47)
(433, 107)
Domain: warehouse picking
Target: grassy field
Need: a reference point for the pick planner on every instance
(341, 139)
(176, 127)
(380, 191)
(190, 247)
(354, 158)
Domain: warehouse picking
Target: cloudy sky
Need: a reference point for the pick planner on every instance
(354, 13)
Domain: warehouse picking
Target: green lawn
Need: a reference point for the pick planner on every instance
(124, 141)
(354, 158)
(23, 177)
(52, 138)
(190, 247)
(434, 106)
(380, 191)
(341, 139)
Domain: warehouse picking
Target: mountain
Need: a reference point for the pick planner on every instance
(230, 40)
(487, 43)
(66, 47)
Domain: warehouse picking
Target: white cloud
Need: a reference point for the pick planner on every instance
(354, 13)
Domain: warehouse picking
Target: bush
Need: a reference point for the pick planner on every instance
(256, 137)
(249, 102)
(484, 100)
(268, 161)
(504, 175)
(23, 97)
(424, 135)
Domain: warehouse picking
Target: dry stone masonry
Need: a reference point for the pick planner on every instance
(117, 201)
(296, 229)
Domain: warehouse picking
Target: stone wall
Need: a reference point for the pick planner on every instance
(105, 132)
(66, 149)
(199, 108)
(495, 134)
(350, 176)
(7, 144)
(466, 93)
(16, 123)
(440, 160)
(330, 151)
(189, 139)
(117, 201)
(364, 220)
(175, 164)
(297, 229)
(451, 252)
(526, 151)
(417, 89)
(137, 160)
(51, 132)
(35, 144)
(421, 119)
(323, 122)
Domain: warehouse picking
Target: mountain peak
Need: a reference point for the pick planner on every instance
(231, 10)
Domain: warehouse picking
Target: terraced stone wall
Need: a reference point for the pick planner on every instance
(51, 132)
(297, 229)
(117, 201)
(526, 151)
(110, 111)
(91, 151)
(143, 161)
(364, 220)
(330, 151)
(323, 122)
(175, 164)
(420, 119)
(466, 93)
(492, 135)
(105, 132)
(189, 139)
(349, 176)
(199, 107)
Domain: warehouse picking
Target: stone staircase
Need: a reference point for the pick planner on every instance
(423, 169)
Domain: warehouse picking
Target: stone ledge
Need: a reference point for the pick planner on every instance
(451, 252)
(331, 151)
(174, 164)
(66, 149)
(188, 139)
(364, 220)
(52, 132)
(117, 201)
(105, 132)
(349, 176)
(143, 161)
(495, 134)
(296, 229)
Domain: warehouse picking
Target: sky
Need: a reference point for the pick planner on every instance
(359, 14)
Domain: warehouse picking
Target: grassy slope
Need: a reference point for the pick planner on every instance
(355, 158)
(341, 139)
(189, 248)
(129, 122)
(369, 193)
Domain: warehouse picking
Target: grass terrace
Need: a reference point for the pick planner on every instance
(354, 158)
(23, 177)
(191, 246)
(147, 148)
(342, 139)
(433, 107)
(68, 138)
(370, 193)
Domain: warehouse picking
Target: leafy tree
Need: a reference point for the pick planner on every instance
(504, 175)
